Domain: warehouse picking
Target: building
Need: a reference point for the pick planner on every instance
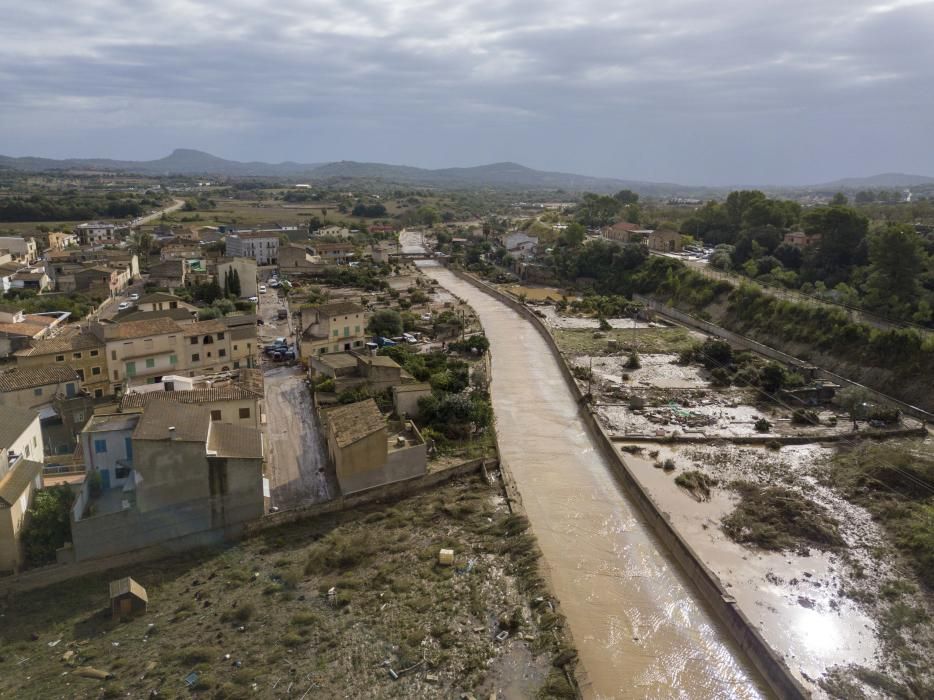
(332, 328)
(350, 370)
(334, 232)
(332, 253)
(191, 482)
(22, 250)
(21, 459)
(74, 347)
(800, 239)
(405, 398)
(31, 388)
(59, 240)
(261, 246)
(246, 271)
(520, 245)
(180, 250)
(68, 270)
(297, 259)
(383, 251)
(127, 598)
(19, 329)
(169, 274)
(32, 280)
(621, 231)
(106, 444)
(228, 401)
(161, 301)
(664, 241)
(96, 232)
(364, 451)
(143, 352)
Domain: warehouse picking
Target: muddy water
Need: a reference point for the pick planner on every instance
(636, 622)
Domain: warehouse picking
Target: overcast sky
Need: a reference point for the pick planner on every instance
(695, 92)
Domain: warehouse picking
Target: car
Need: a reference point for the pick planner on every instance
(134, 297)
(262, 289)
(409, 338)
(255, 300)
(273, 283)
(124, 305)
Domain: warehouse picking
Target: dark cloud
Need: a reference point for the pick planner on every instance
(725, 92)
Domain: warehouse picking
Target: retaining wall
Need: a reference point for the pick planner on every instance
(772, 667)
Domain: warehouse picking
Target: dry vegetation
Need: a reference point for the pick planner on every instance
(257, 619)
(579, 341)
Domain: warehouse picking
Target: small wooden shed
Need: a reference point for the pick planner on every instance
(127, 598)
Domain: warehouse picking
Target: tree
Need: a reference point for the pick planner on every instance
(140, 243)
(227, 283)
(896, 259)
(49, 524)
(235, 288)
(626, 197)
(842, 232)
(385, 323)
(597, 210)
(573, 235)
(839, 200)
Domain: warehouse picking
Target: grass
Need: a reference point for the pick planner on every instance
(581, 341)
(265, 603)
(776, 518)
(534, 293)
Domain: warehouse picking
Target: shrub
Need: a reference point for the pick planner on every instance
(605, 325)
(763, 426)
(633, 361)
(802, 416)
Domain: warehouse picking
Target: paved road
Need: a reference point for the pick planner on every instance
(297, 463)
(635, 619)
(177, 204)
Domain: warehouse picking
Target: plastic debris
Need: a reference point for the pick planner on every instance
(502, 636)
(446, 557)
(191, 679)
(95, 673)
(55, 643)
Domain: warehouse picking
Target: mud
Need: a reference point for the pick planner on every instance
(636, 622)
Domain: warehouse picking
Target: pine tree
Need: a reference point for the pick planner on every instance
(235, 288)
(227, 283)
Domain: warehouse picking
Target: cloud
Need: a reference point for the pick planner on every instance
(674, 89)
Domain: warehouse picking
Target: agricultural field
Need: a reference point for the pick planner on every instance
(349, 605)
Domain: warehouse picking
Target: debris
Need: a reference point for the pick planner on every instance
(446, 557)
(90, 672)
(55, 643)
(68, 656)
(191, 679)
(502, 636)
(393, 675)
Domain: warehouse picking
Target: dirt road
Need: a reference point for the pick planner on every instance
(636, 621)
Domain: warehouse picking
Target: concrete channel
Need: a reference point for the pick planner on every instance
(639, 625)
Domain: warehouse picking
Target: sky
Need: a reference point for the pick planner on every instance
(710, 92)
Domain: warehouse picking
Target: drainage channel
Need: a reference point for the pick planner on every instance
(637, 624)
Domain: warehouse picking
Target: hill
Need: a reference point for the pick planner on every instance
(883, 180)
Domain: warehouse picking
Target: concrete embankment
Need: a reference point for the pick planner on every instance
(635, 616)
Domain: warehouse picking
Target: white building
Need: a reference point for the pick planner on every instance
(22, 250)
(95, 232)
(262, 247)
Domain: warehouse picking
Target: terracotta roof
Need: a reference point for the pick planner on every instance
(174, 314)
(190, 423)
(142, 329)
(31, 377)
(338, 308)
(191, 396)
(256, 234)
(13, 422)
(213, 326)
(355, 421)
(235, 441)
(68, 339)
(15, 481)
(158, 296)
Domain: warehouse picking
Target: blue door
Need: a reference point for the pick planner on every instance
(129, 448)
(105, 478)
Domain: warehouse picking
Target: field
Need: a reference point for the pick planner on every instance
(352, 605)
(578, 341)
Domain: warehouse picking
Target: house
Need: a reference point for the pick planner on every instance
(297, 259)
(245, 269)
(405, 398)
(101, 280)
(179, 250)
(63, 268)
(520, 245)
(350, 370)
(22, 250)
(366, 453)
(18, 329)
(800, 239)
(226, 400)
(59, 240)
(191, 482)
(333, 231)
(8, 270)
(33, 280)
(169, 274)
(180, 315)
(21, 459)
(332, 328)
(261, 246)
(664, 241)
(106, 444)
(623, 231)
(74, 347)
(31, 388)
(383, 251)
(161, 301)
(332, 253)
(96, 232)
(127, 598)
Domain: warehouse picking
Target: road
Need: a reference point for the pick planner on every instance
(411, 242)
(296, 466)
(636, 621)
(177, 204)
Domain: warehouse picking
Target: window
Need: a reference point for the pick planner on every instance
(34, 443)
(128, 446)
(215, 415)
(100, 447)
(95, 353)
(196, 357)
(80, 373)
(131, 369)
(122, 472)
(220, 336)
(235, 347)
(98, 393)
(222, 352)
(173, 359)
(76, 355)
(113, 354)
(37, 391)
(245, 412)
(59, 358)
(26, 451)
(116, 375)
(150, 362)
(95, 371)
(194, 340)
(356, 330)
(336, 332)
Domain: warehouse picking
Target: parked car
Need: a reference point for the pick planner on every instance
(409, 338)
(134, 297)
(255, 300)
(282, 314)
(262, 289)
(124, 305)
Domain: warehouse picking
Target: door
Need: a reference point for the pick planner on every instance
(105, 478)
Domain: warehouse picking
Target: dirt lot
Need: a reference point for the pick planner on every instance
(328, 608)
(534, 293)
(578, 341)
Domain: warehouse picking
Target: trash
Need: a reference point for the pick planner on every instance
(393, 675)
(116, 644)
(226, 657)
(502, 636)
(237, 664)
(431, 678)
(55, 643)
(191, 679)
(90, 672)
(68, 656)
(150, 666)
(446, 557)
(241, 628)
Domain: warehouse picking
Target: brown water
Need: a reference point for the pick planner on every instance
(637, 623)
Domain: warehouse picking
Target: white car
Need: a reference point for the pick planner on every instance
(255, 300)
(262, 289)
(124, 305)
(134, 297)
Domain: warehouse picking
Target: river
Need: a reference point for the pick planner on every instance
(637, 623)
